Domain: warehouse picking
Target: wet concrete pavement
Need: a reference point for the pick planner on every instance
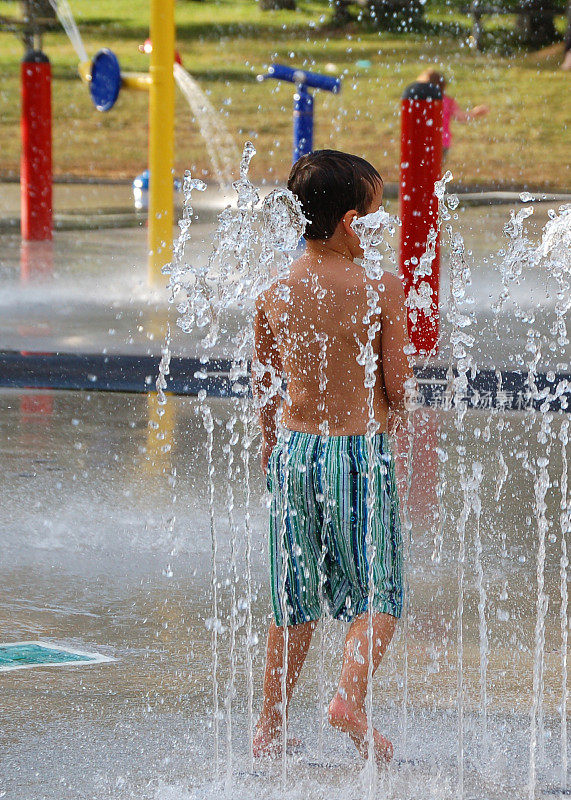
(107, 547)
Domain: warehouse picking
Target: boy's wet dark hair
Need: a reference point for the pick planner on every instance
(328, 183)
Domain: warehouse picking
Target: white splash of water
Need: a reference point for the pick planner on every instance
(65, 16)
(220, 145)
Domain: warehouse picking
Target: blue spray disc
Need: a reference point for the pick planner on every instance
(105, 80)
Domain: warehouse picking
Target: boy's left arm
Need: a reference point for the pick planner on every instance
(266, 379)
(398, 375)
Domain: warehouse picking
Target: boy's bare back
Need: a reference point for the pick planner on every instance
(312, 326)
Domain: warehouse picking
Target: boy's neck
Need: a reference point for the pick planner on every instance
(320, 250)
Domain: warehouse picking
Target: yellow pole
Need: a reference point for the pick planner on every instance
(161, 137)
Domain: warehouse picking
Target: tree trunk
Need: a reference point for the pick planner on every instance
(396, 14)
(535, 27)
(274, 5)
(341, 15)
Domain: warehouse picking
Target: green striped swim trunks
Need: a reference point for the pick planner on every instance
(319, 523)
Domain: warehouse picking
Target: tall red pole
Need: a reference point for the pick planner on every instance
(421, 164)
(36, 162)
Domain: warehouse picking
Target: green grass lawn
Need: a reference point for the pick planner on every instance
(525, 139)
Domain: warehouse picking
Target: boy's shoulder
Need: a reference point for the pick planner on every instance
(266, 296)
(391, 295)
(276, 286)
(390, 286)
(390, 281)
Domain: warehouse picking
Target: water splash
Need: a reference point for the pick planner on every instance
(65, 16)
(371, 230)
(214, 623)
(541, 486)
(368, 230)
(220, 145)
(252, 250)
(565, 526)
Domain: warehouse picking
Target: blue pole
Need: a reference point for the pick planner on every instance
(302, 101)
(302, 123)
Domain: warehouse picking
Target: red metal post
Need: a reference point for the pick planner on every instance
(421, 164)
(36, 162)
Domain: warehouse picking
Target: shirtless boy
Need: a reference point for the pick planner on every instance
(308, 329)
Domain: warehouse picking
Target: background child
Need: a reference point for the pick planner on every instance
(450, 108)
(311, 328)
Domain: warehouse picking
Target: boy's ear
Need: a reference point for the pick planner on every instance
(346, 221)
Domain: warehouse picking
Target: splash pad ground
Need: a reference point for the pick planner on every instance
(90, 561)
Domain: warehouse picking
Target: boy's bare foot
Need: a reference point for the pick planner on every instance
(351, 719)
(267, 739)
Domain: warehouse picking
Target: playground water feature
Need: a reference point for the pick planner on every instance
(473, 692)
(449, 446)
(486, 625)
(125, 527)
(65, 16)
(221, 148)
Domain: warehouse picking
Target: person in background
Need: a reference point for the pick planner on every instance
(450, 108)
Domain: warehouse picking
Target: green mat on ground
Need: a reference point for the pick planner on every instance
(21, 655)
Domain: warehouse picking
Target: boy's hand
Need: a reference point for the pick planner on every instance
(395, 423)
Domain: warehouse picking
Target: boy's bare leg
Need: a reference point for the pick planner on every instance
(268, 729)
(347, 709)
